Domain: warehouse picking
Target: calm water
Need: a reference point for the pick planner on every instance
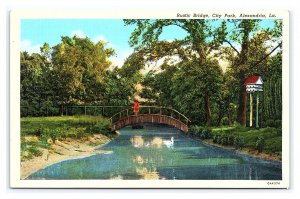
(160, 152)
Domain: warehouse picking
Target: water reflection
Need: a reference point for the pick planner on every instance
(160, 152)
(137, 141)
(156, 142)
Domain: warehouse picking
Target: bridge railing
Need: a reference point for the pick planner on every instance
(145, 110)
(106, 111)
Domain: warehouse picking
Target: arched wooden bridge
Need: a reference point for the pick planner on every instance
(150, 114)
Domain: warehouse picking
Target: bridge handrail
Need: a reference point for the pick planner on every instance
(141, 107)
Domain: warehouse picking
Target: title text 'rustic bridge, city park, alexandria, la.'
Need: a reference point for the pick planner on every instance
(121, 116)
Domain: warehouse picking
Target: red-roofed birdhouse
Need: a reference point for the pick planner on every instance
(254, 83)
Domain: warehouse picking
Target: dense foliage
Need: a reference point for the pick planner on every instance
(74, 72)
(267, 140)
(189, 76)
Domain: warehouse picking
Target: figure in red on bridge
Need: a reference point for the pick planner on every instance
(136, 106)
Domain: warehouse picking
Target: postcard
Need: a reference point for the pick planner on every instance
(149, 98)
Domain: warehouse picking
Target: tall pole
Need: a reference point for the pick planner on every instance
(257, 101)
(251, 110)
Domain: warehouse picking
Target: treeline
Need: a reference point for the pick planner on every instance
(189, 77)
(74, 72)
(185, 87)
(195, 84)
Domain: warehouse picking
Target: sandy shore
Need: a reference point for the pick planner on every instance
(246, 151)
(63, 150)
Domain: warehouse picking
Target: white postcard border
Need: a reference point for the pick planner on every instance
(16, 182)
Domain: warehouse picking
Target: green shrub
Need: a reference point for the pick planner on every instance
(217, 138)
(238, 142)
(81, 134)
(56, 134)
(53, 134)
(260, 144)
(206, 134)
(201, 132)
(37, 132)
(196, 130)
(230, 140)
(44, 141)
(99, 127)
(270, 123)
(224, 139)
(30, 150)
(35, 151)
(273, 123)
(279, 132)
(278, 124)
(225, 121)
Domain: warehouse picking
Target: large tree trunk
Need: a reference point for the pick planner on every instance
(242, 110)
(243, 58)
(207, 109)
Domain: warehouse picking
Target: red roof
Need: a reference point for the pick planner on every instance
(251, 80)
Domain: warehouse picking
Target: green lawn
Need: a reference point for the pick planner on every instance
(70, 124)
(29, 125)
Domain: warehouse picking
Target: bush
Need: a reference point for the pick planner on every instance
(201, 132)
(34, 151)
(56, 134)
(196, 130)
(270, 123)
(238, 142)
(99, 127)
(29, 150)
(38, 132)
(273, 123)
(226, 139)
(260, 144)
(279, 132)
(217, 138)
(225, 121)
(205, 134)
(278, 124)
(53, 134)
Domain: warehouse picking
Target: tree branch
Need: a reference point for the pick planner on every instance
(232, 47)
(265, 57)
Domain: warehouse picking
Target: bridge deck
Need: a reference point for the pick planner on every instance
(150, 118)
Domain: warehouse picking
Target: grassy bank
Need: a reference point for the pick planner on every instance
(39, 133)
(256, 141)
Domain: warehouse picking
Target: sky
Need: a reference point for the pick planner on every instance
(35, 32)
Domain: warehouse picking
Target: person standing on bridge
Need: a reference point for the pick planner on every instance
(136, 106)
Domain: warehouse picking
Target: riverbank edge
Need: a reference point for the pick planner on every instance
(62, 151)
(244, 151)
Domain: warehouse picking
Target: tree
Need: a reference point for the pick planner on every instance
(78, 67)
(36, 94)
(120, 84)
(203, 37)
(247, 41)
(157, 86)
(193, 85)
